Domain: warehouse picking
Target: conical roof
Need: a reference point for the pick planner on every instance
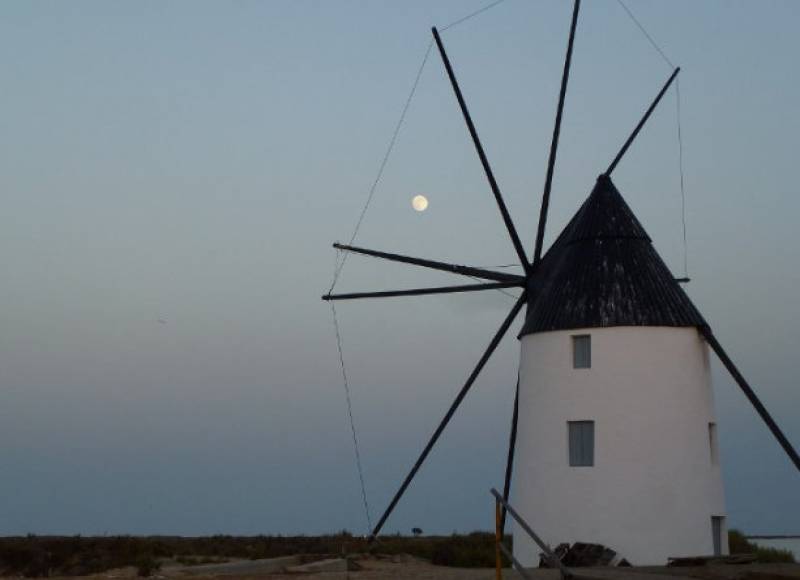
(603, 271)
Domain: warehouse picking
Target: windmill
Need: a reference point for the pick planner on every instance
(613, 424)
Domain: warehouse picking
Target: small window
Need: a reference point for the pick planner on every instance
(581, 443)
(717, 529)
(582, 351)
(712, 441)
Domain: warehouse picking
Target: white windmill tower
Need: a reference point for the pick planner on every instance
(613, 420)
(617, 437)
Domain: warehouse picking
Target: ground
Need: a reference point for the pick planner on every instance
(410, 568)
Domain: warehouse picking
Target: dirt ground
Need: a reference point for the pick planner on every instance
(409, 568)
(418, 570)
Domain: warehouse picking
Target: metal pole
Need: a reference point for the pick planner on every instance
(750, 394)
(548, 182)
(449, 415)
(453, 268)
(512, 231)
(642, 122)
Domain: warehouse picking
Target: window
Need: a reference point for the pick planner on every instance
(582, 351)
(712, 441)
(581, 443)
(717, 527)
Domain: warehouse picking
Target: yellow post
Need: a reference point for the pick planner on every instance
(498, 537)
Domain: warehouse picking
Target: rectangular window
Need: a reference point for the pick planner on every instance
(582, 351)
(717, 527)
(712, 441)
(581, 443)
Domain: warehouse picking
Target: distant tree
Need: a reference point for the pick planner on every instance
(417, 532)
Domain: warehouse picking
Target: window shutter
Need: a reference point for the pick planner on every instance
(581, 443)
(582, 351)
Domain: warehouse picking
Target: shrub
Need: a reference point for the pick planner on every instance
(739, 544)
(147, 565)
(475, 550)
(77, 556)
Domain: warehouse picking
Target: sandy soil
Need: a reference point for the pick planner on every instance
(415, 570)
(409, 568)
(378, 570)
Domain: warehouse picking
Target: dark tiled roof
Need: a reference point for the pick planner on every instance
(602, 271)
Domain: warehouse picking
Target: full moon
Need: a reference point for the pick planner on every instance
(419, 203)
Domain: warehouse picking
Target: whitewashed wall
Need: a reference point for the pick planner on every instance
(653, 488)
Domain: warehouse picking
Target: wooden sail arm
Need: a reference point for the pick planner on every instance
(443, 266)
(644, 119)
(453, 407)
(512, 231)
(424, 291)
(551, 161)
(750, 394)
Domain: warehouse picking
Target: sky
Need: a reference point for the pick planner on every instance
(173, 175)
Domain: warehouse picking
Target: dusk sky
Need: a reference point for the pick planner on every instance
(172, 177)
